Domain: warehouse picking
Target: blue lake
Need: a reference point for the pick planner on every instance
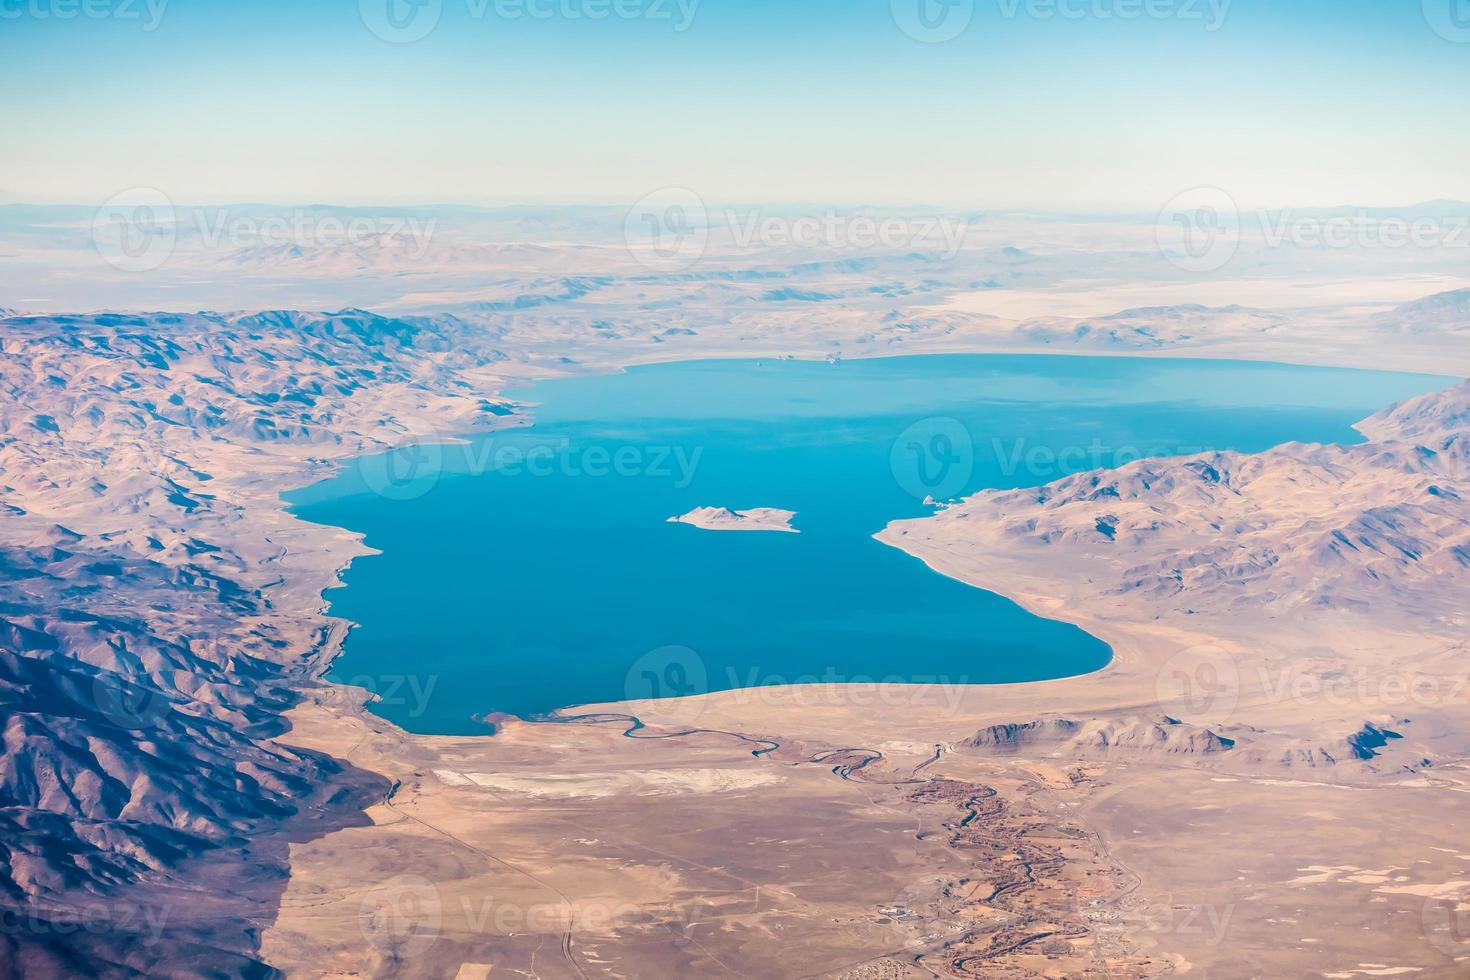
(535, 569)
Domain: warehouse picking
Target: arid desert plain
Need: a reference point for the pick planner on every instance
(1268, 779)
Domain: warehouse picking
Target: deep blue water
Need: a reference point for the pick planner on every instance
(535, 569)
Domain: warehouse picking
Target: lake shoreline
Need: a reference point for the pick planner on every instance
(561, 476)
(722, 726)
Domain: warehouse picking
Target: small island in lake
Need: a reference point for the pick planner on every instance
(725, 519)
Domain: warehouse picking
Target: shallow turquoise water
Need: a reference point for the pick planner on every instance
(535, 570)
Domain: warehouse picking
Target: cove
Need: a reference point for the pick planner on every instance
(534, 569)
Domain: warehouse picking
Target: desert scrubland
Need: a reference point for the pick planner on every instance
(1268, 780)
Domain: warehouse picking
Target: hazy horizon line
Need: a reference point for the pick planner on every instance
(718, 203)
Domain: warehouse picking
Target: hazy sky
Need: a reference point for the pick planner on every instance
(1053, 103)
